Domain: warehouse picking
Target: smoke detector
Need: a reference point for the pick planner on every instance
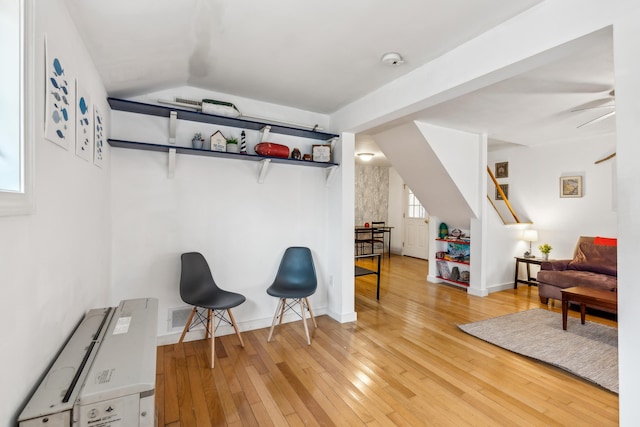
(392, 58)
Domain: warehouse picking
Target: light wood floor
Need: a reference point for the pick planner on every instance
(404, 362)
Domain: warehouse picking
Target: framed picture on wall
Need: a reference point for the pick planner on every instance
(505, 190)
(502, 170)
(570, 186)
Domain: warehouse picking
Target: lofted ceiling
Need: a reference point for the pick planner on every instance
(317, 56)
(323, 56)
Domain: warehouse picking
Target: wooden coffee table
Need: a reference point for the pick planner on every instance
(596, 298)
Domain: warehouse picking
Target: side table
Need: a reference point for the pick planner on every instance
(528, 261)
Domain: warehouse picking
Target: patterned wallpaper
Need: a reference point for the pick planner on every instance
(371, 194)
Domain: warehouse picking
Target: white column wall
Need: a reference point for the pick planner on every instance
(627, 68)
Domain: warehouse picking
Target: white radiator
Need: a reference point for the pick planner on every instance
(105, 374)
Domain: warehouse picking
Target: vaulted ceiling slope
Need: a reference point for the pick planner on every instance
(316, 56)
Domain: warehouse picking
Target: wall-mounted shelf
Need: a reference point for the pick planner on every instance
(266, 161)
(196, 116)
(173, 114)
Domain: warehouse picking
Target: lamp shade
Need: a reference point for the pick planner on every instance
(530, 236)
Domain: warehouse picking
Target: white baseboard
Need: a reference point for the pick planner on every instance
(248, 325)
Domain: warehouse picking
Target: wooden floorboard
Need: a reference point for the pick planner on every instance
(404, 362)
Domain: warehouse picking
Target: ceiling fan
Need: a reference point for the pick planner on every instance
(612, 94)
(612, 107)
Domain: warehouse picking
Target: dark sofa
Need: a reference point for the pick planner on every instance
(594, 265)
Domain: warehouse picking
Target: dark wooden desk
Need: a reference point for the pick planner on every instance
(596, 298)
(528, 261)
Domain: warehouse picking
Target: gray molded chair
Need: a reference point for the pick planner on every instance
(197, 288)
(296, 279)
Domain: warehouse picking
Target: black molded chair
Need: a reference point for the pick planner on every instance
(296, 279)
(198, 289)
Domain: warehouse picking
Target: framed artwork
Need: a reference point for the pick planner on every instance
(84, 124)
(60, 122)
(321, 153)
(98, 138)
(570, 186)
(502, 170)
(505, 190)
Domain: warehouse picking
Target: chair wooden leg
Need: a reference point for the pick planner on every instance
(213, 347)
(304, 321)
(209, 325)
(311, 313)
(235, 326)
(284, 305)
(186, 327)
(275, 316)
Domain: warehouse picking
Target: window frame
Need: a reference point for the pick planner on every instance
(22, 202)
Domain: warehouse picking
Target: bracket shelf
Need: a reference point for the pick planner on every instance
(265, 161)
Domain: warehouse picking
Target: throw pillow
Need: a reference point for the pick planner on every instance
(605, 241)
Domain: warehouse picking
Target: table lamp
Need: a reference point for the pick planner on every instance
(529, 236)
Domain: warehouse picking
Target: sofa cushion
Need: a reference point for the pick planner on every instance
(595, 258)
(570, 278)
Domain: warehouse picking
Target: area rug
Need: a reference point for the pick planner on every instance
(589, 351)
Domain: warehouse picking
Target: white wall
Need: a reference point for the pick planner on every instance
(626, 37)
(534, 186)
(54, 263)
(217, 207)
(397, 206)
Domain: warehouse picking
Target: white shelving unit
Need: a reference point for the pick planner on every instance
(454, 253)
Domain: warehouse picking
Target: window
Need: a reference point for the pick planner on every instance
(16, 115)
(414, 208)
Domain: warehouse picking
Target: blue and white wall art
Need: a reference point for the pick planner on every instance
(84, 124)
(99, 135)
(60, 99)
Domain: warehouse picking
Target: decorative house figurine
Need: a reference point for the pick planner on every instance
(218, 142)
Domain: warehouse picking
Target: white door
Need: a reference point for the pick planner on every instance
(416, 226)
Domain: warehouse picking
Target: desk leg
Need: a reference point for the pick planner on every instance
(583, 309)
(565, 309)
(515, 280)
(528, 274)
(378, 281)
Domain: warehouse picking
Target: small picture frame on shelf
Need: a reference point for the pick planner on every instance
(321, 153)
(502, 170)
(505, 190)
(570, 186)
(218, 142)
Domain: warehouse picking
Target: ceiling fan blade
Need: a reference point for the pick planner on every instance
(597, 119)
(593, 108)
